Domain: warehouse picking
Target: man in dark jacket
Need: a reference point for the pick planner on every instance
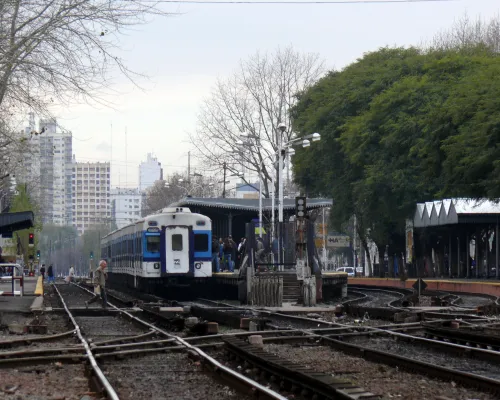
(215, 255)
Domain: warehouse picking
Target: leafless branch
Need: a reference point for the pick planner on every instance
(254, 101)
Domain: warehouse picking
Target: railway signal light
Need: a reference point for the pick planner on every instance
(38, 254)
(300, 207)
(31, 240)
(91, 255)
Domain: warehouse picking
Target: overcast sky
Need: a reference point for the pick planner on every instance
(184, 55)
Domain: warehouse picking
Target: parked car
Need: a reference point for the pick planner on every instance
(349, 270)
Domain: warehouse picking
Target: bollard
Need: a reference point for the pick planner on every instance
(244, 323)
(212, 328)
(256, 340)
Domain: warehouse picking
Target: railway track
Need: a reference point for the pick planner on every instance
(168, 344)
(330, 336)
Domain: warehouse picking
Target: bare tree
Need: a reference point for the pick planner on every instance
(62, 50)
(174, 188)
(466, 33)
(254, 101)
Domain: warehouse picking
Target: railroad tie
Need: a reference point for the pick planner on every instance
(323, 384)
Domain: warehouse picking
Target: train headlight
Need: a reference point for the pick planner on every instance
(198, 265)
(156, 266)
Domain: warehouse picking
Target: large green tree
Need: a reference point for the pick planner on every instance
(401, 126)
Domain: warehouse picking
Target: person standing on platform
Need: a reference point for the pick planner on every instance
(42, 271)
(228, 251)
(215, 255)
(100, 277)
(50, 273)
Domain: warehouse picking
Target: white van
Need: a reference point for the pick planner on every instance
(348, 270)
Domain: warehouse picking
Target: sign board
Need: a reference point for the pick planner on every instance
(419, 283)
(338, 241)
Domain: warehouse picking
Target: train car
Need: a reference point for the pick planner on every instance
(171, 247)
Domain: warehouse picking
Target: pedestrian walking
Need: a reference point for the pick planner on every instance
(71, 274)
(42, 271)
(50, 273)
(100, 277)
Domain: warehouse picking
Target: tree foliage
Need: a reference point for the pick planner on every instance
(400, 126)
(62, 50)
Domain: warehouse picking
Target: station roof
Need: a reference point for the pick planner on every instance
(251, 205)
(455, 211)
(10, 222)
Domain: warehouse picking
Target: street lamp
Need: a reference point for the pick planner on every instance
(281, 153)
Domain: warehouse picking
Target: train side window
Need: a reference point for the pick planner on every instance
(200, 242)
(153, 244)
(177, 242)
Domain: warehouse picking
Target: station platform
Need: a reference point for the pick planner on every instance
(491, 287)
(33, 292)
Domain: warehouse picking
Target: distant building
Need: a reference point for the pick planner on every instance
(247, 191)
(150, 171)
(126, 206)
(91, 201)
(47, 168)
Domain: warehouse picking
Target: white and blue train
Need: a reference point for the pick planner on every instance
(160, 250)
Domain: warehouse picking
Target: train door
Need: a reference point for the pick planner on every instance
(177, 250)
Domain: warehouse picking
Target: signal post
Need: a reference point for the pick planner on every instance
(303, 268)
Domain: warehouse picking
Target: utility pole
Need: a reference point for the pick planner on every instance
(224, 182)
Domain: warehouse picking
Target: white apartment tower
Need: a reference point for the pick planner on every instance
(150, 171)
(91, 201)
(47, 168)
(126, 206)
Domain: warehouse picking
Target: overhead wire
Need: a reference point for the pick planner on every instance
(288, 2)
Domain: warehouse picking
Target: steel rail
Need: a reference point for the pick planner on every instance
(100, 375)
(481, 353)
(217, 365)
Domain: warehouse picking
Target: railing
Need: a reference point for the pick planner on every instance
(13, 278)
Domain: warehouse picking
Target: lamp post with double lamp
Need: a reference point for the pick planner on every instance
(259, 171)
(315, 137)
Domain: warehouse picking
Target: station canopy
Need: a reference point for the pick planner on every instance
(251, 205)
(455, 211)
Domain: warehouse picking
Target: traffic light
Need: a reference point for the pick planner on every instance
(38, 254)
(31, 240)
(300, 207)
(91, 255)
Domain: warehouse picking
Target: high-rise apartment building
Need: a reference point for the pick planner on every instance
(91, 200)
(150, 171)
(126, 206)
(47, 167)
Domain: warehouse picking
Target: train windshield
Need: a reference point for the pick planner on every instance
(153, 244)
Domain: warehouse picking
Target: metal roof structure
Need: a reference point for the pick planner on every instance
(251, 205)
(10, 222)
(455, 211)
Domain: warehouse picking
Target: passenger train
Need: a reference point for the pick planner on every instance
(160, 250)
